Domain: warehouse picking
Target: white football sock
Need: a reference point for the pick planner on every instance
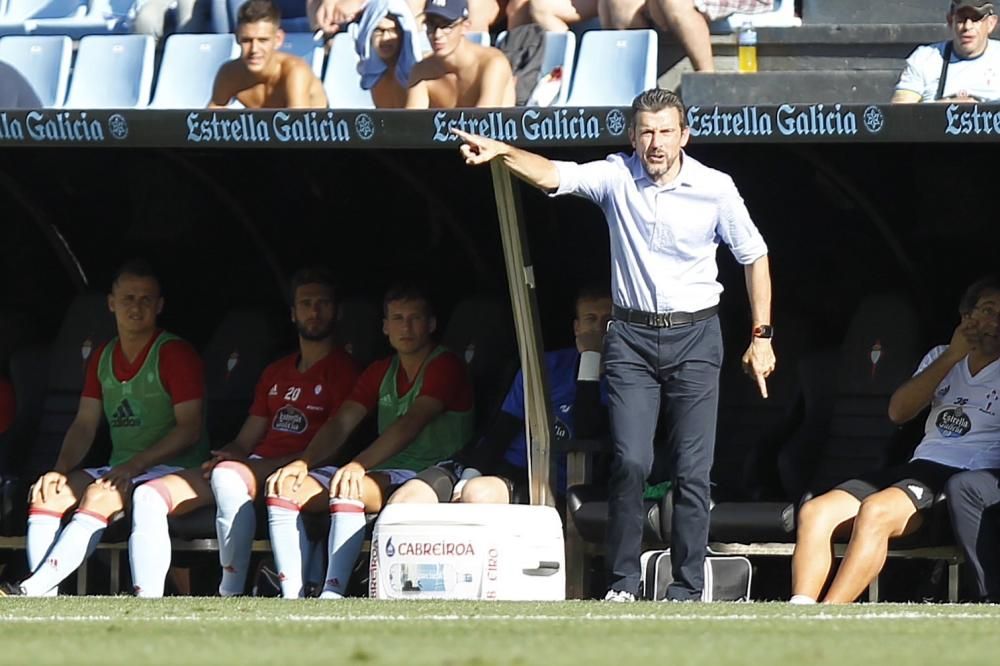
(75, 544)
(289, 543)
(235, 524)
(149, 543)
(43, 530)
(347, 532)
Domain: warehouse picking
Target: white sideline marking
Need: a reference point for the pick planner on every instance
(742, 617)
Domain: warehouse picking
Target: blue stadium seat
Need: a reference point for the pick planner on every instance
(72, 18)
(481, 38)
(614, 66)
(304, 46)
(43, 61)
(342, 82)
(560, 50)
(112, 72)
(188, 69)
(17, 15)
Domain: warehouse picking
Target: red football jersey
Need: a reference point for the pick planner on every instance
(297, 403)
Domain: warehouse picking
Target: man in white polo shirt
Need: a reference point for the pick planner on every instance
(666, 213)
(964, 69)
(960, 383)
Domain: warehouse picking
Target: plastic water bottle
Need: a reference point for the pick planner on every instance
(748, 49)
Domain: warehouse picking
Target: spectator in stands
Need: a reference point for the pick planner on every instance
(331, 16)
(264, 77)
(963, 69)
(960, 382)
(422, 399)
(190, 16)
(663, 349)
(294, 397)
(149, 386)
(559, 15)
(579, 410)
(458, 73)
(687, 19)
(15, 91)
(388, 49)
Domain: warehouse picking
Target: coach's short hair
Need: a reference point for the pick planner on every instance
(657, 99)
(253, 11)
(976, 290)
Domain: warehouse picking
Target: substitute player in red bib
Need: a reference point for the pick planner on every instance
(294, 397)
(422, 399)
(148, 385)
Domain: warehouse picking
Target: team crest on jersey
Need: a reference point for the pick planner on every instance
(318, 389)
(943, 391)
(560, 430)
(953, 422)
(274, 390)
(991, 398)
(291, 420)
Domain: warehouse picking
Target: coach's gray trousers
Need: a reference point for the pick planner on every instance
(974, 504)
(673, 373)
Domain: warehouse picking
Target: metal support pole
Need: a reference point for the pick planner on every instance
(521, 281)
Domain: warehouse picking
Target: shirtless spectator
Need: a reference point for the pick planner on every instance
(331, 16)
(263, 77)
(458, 73)
(388, 49)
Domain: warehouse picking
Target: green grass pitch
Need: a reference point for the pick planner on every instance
(95, 630)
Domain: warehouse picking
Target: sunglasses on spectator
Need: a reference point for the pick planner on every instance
(433, 26)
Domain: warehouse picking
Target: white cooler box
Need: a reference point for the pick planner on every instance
(468, 551)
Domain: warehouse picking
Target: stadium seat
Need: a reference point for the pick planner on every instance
(15, 13)
(112, 72)
(91, 17)
(303, 45)
(560, 51)
(359, 332)
(614, 66)
(481, 331)
(44, 61)
(342, 82)
(188, 69)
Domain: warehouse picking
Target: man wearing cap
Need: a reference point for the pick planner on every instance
(458, 73)
(964, 69)
(666, 213)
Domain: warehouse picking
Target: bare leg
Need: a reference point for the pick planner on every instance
(691, 27)
(558, 15)
(884, 515)
(482, 14)
(519, 13)
(819, 520)
(486, 490)
(623, 14)
(414, 491)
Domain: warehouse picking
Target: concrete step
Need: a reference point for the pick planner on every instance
(867, 11)
(768, 88)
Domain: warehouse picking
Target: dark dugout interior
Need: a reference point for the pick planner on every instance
(226, 227)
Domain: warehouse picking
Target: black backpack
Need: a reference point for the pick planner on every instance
(524, 47)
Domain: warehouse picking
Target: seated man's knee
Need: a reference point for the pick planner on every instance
(233, 474)
(485, 490)
(414, 491)
(962, 487)
(877, 513)
(151, 495)
(818, 514)
(102, 499)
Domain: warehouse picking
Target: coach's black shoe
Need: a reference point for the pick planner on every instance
(8, 589)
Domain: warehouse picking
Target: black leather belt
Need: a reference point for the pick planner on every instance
(662, 319)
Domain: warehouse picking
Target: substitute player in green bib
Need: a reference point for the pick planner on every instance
(422, 398)
(149, 386)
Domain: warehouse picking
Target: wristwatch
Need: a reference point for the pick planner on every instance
(763, 331)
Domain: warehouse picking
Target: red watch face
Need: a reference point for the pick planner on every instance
(763, 331)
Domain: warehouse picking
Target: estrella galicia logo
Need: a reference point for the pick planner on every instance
(615, 122)
(953, 423)
(365, 126)
(117, 126)
(874, 119)
(390, 550)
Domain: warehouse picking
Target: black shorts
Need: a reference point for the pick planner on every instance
(443, 477)
(921, 480)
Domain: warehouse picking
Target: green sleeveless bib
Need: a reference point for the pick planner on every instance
(139, 411)
(440, 438)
